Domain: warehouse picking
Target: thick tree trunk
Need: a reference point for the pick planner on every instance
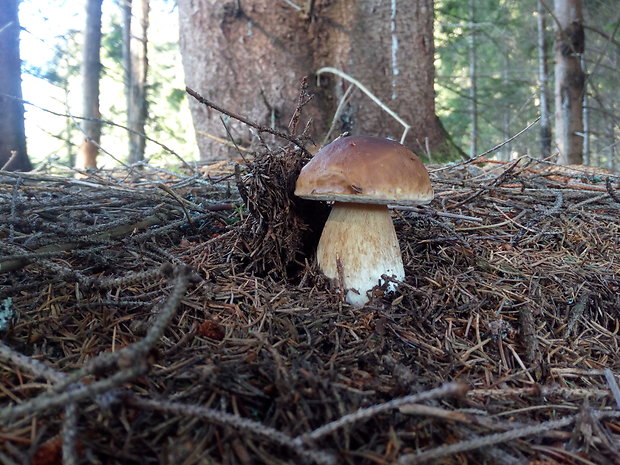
(13, 154)
(136, 73)
(91, 70)
(543, 83)
(250, 57)
(569, 80)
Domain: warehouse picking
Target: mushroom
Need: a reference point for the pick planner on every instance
(362, 175)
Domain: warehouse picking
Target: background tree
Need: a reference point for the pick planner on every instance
(63, 72)
(506, 76)
(543, 78)
(507, 97)
(91, 72)
(249, 57)
(568, 48)
(13, 155)
(136, 20)
(473, 79)
(601, 65)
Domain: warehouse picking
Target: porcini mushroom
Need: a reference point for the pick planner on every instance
(362, 176)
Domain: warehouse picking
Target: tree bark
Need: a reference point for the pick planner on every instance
(91, 71)
(569, 80)
(126, 14)
(473, 80)
(250, 57)
(543, 82)
(136, 74)
(13, 155)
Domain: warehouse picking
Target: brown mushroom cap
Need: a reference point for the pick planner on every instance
(365, 169)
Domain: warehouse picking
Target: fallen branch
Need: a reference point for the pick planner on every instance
(244, 120)
(69, 389)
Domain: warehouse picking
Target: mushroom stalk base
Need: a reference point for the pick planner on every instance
(357, 247)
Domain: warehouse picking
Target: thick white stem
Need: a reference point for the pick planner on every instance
(358, 246)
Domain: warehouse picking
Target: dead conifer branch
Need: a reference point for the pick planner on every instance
(49, 401)
(36, 367)
(246, 121)
(132, 360)
(611, 191)
(491, 150)
(70, 435)
(104, 121)
(236, 422)
(538, 217)
(493, 439)
(576, 313)
(447, 390)
(138, 351)
(10, 265)
(613, 386)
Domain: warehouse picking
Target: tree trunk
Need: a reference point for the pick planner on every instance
(543, 83)
(505, 152)
(569, 80)
(91, 70)
(586, 119)
(13, 154)
(136, 72)
(473, 80)
(250, 56)
(126, 14)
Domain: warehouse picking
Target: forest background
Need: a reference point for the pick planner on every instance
(488, 79)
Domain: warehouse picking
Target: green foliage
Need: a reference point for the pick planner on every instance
(175, 98)
(506, 69)
(168, 112)
(112, 40)
(507, 78)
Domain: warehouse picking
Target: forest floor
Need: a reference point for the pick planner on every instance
(179, 318)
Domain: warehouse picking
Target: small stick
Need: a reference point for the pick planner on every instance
(104, 121)
(406, 126)
(69, 435)
(491, 150)
(613, 385)
(611, 191)
(428, 211)
(484, 441)
(236, 422)
(446, 390)
(498, 438)
(244, 120)
(576, 313)
(10, 160)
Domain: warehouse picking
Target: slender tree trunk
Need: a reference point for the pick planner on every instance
(250, 57)
(506, 150)
(611, 158)
(91, 71)
(473, 80)
(13, 154)
(586, 120)
(569, 80)
(543, 83)
(136, 73)
(68, 133)
(126, 14)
